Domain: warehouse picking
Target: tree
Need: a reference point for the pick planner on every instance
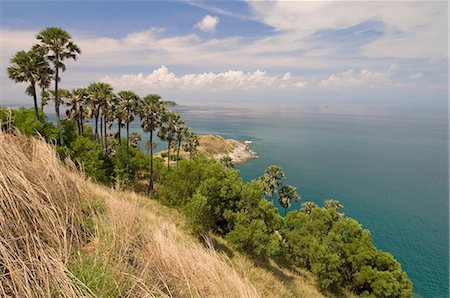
(191, 143)
(99, 96)
(227, 162)
(135, 138)
(127, 106)
(181, 131)
(334, 205)
(57, 44)
(167, 131)
(117, 114)
(287, 194)
(25, 67)
(308, 207)
(272, 180)
(45, 75)
(151, 110)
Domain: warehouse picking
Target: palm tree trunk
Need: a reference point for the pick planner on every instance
(104, 127)
(151, 161)
(36, 110)
(79, 125)
(168, 155)
(120, 126)
(101, 131)
(58, 118)
(96, 125)
(42, 100)
(178, 151)
(128, 135)
(81, 120)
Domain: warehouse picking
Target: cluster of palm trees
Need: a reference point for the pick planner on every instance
(41, 66)
(272, 181)
(99, 102)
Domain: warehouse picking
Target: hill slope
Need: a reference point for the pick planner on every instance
(63, 235)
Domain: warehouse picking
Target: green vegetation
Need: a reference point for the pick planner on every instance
(211, 194)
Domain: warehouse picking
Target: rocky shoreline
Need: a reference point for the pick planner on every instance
(240, 153)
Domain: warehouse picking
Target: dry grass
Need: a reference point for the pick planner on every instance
(133, 246)
(39, 202)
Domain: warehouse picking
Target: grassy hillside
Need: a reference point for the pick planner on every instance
(63, 235)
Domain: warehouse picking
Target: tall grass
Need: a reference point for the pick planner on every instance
(39, 203)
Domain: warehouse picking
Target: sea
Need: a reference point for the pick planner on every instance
(386, 161)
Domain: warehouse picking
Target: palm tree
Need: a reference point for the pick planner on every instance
(99, 95)
(272, 180)
(191, 143)
(180, 134)
(334, 205)
(127, 105)
(135, 138)
(45, 75)
(75, 100)
(287, 194)
(167, 131)
(151, 111)
(308, 207)
(227, 162)
(57, 44)
(25, 67)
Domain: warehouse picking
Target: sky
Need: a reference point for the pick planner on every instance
(217, 51)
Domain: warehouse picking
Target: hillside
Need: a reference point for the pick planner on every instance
(64, 235)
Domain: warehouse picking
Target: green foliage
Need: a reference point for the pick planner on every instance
(25, 120)
(198, 213)
(94, 161)
(138, 167)
(255, 230)
(97, 277)
(181, 184)
(341, 253)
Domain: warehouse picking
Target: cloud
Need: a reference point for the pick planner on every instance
(363, 78)
(416, 76)
(208, 23)
(408, 28)
(162, 78)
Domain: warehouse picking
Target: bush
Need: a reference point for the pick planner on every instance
(94, 161)
(25, 120)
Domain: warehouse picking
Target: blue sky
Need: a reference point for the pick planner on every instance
(190, 50)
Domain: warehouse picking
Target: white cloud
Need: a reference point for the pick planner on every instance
(416, 76)
(409, 28)
(162, 78)
(363, 78)
(208, 23)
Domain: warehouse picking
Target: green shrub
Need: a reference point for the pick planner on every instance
(94, 161)
(25, 120)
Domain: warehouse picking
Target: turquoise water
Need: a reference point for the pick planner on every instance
(387, 163)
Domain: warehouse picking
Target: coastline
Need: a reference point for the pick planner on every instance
(218, 147)
(241, 152)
